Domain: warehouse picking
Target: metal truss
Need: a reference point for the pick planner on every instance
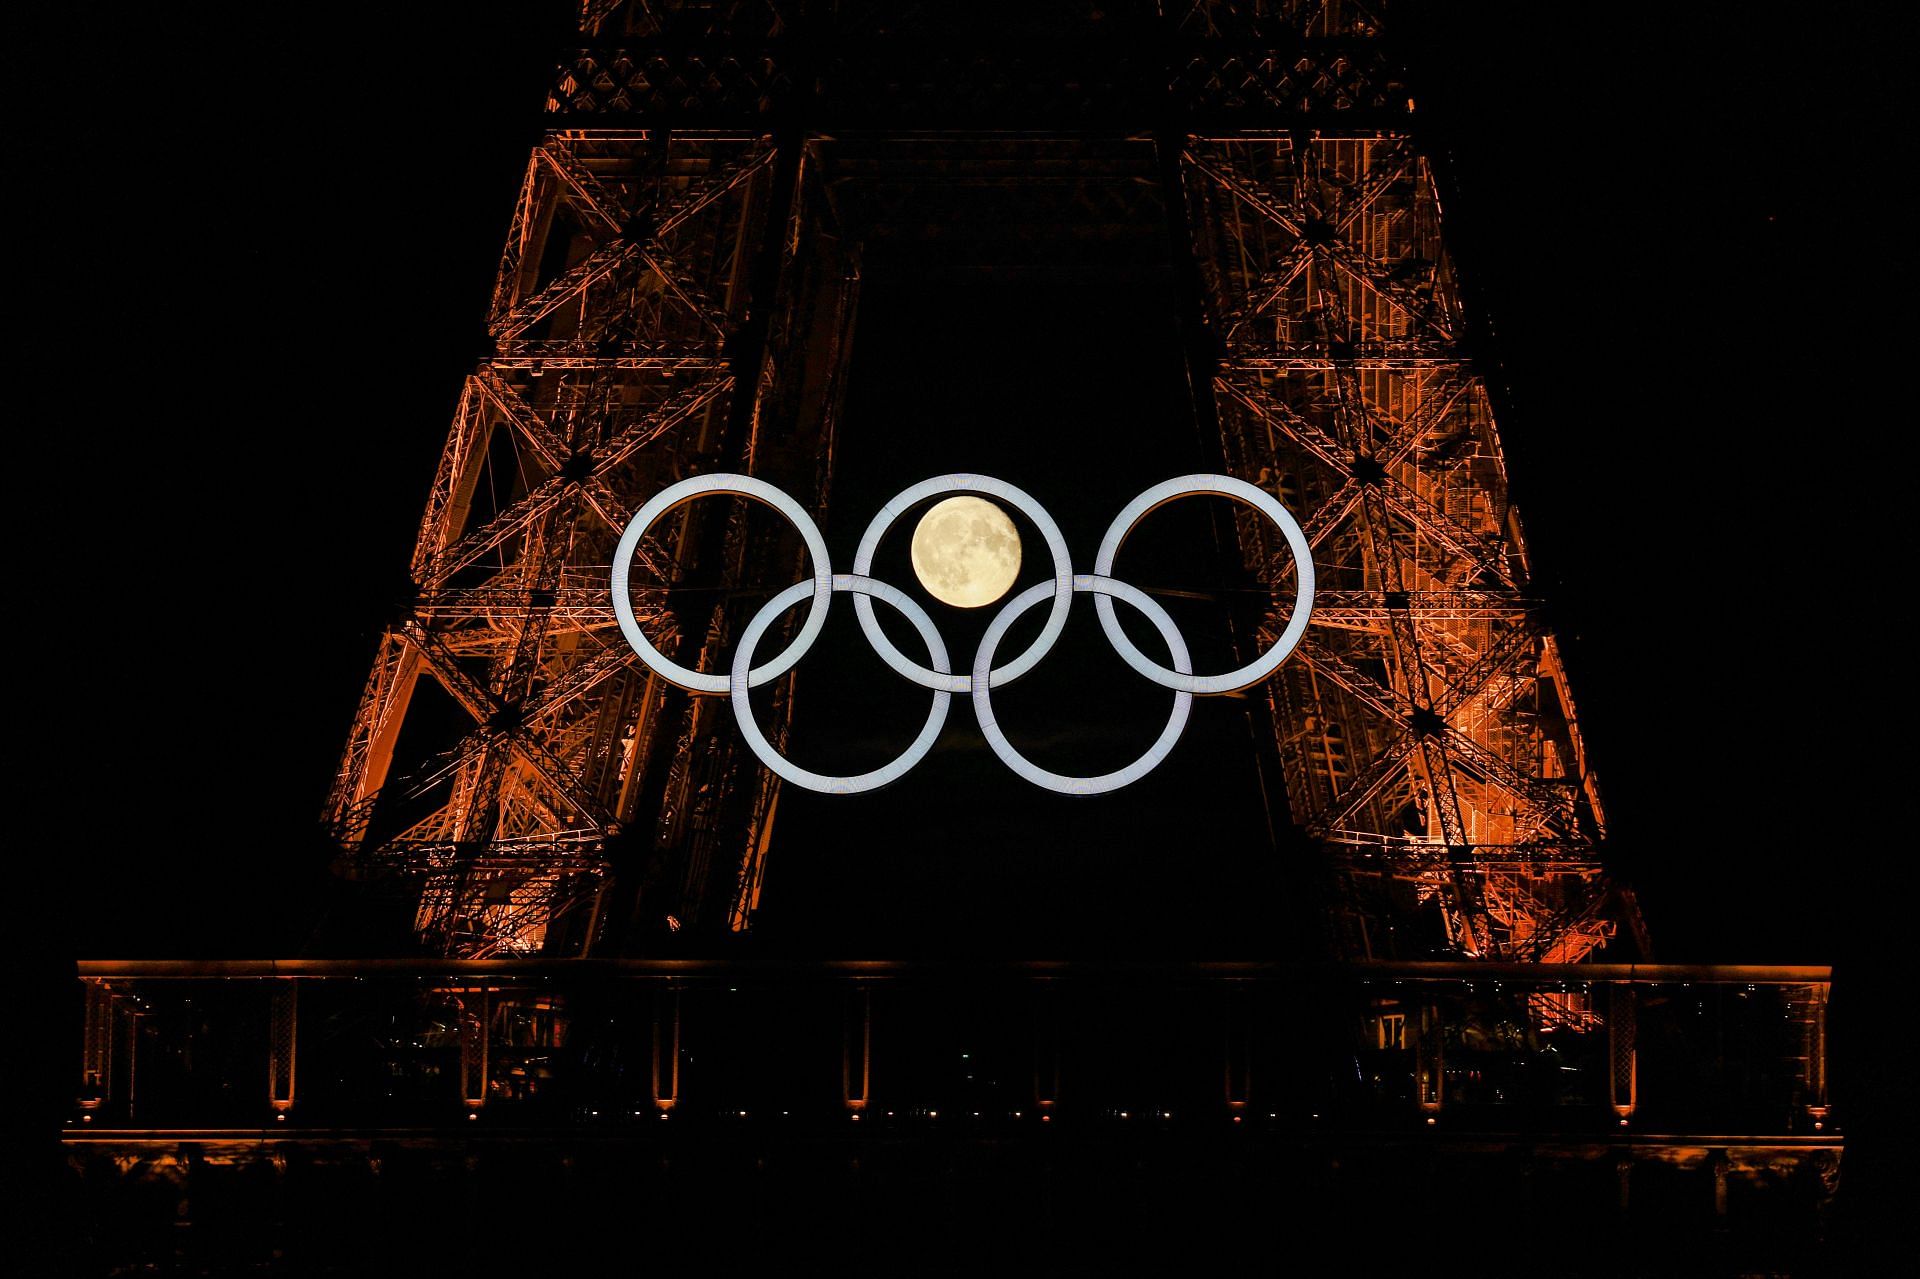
(617, 320)
(1428, 720)
(677, 294)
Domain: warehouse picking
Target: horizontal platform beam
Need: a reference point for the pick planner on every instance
(1646, 1144)
(1439, 970)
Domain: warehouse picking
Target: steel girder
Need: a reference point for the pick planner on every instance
(1426, 724)
(1426, 736)
(623, 281)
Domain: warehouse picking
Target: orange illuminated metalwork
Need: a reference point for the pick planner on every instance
(665, 298)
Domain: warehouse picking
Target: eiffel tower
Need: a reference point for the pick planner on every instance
(676, 295)
(718, 189)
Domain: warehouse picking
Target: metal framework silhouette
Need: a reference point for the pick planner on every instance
(677, 295)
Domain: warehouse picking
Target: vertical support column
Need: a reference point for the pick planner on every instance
(1239, 1080)
(1623, 1055)
(1046, 1050)
(282, 1036)
(1816, 1084)
(474, 1010)
(666, 1050)
(856, 1058)
(96, 1050)
(1429, 1065)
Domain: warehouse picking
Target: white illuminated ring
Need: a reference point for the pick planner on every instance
(741, 486)
(985, 676)
(1061, 586)
(1104, 588)
(1264, 665)
(893, 770)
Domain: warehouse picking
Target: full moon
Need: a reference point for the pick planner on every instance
(966, 552)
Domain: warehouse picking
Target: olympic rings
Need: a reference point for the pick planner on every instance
(686, 490)
(1187, 485)
(963, 483)
(990, 727)
(940, 679)
(750, 727)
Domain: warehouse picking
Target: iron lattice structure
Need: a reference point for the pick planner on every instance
(624, 283)
(1427, 733)
(677, 295)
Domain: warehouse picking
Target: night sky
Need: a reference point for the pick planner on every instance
(258, 247)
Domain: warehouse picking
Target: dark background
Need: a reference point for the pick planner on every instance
(257, 245)
(253, 247)
(1070, 383)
